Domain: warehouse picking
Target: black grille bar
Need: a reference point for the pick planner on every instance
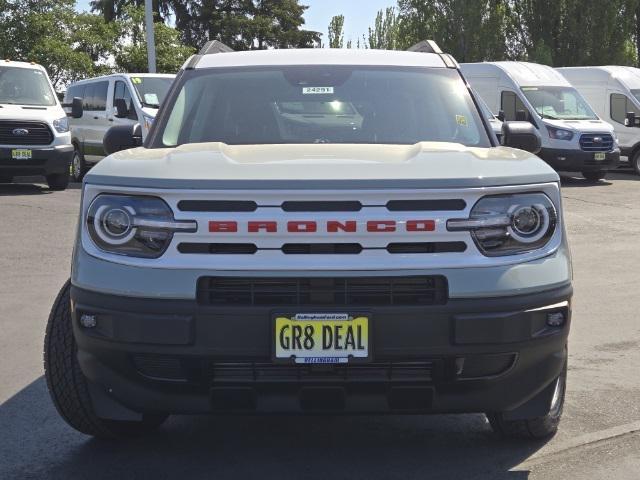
(288, 291)
(320, 248)
(37, 133)
(426, 205)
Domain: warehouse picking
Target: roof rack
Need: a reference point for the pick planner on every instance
(425, 46)
(214, 46)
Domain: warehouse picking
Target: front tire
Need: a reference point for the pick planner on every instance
(58, 181)
(594, 175)
(534, 428)
(68, 386)
(634, 160)
(78, 166)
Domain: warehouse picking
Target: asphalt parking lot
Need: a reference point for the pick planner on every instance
(599, 436)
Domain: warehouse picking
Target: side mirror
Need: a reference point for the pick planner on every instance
(522, 116)
(122, 137)
(632, 120)
(521, 135)
(500, 115)
(76, 108)
(122, 110)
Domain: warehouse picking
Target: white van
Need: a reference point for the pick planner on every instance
(118, 99)
(613, 92)
(34, 129)
(574, 139)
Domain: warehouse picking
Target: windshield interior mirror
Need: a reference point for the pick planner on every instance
(521, 135)
(500, 115)
(76, 108)
(632, 120)
(122, 110)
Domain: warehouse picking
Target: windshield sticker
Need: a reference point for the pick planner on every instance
(317, 90)
(151, 98)
(136, 80)
(461, 120)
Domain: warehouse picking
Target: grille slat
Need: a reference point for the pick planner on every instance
(352, 291)
(38, 133)
(589, 143)
(320, 248)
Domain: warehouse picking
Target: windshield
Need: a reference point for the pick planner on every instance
(151, 90)
(322, 104)
(636, 93)
(559, 103)
(484, 108)
(25, 86)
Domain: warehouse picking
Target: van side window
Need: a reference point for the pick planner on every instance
(122, 91)
(620, 105)
(510, 104)
(87, 99)
(73, 92)
(100, 90)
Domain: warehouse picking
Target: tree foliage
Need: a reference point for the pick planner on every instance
(336, 32)
(385, 34)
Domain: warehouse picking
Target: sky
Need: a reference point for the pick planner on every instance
(359, 15)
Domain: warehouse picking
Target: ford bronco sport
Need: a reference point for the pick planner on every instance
(316, 231)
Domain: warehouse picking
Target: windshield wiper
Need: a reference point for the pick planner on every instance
(150, 105)
(550, 117)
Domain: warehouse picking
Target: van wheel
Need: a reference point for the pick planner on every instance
(78, 166)
(594, 175)
(635, 162)
(541, 427)
(68, 386)
(58, 181)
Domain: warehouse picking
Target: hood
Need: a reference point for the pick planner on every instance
(581, 126)
(221, 166)
(30, 112)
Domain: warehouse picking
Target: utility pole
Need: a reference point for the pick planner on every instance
(151, 41)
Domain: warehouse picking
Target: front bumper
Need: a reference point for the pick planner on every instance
(44, 161)
(177, 356)
(579, 160)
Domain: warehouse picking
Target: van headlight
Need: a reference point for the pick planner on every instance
(137, 226)
(61, 125)
(559, 133)
(509, 224)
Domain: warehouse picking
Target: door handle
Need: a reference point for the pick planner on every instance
(96, 118)
(110, 119)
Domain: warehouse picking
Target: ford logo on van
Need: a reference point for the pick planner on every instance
(597, 139)
(20, 131)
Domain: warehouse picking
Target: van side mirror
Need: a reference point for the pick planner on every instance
(122, 137)
(521, 135)
(77, 109)
(632, 120)
(500, 115)
(122, 110)
(522, 116)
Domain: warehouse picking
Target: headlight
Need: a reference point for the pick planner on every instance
(509, 224)
(61, 125)
(148, 122)
(559, 134)
(136, 226)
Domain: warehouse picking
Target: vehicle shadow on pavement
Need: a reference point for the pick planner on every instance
(36, 443)
(568, 180)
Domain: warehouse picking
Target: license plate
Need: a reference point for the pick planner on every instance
(21, 154)
(599, 156)
(321, 337)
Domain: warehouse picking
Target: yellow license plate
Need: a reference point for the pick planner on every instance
(599, 156)
(321, 338)
(21, 154)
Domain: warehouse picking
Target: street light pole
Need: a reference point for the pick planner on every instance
(151, 42)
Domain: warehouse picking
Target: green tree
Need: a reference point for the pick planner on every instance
(385, 33)
(336, 32)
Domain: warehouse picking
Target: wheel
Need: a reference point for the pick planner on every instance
(541, 427)
(58, 181)
(78, 166)
(68, 386)
(6, 179)
(594, 175)
(634, 160)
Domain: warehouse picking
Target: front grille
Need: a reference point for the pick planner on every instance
(320, 248)
(365, 291)
(379, 372)
(593, 142)
(38, 133)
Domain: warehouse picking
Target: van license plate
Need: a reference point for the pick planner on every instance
(599, 156)
(321, 337)
(21, 154)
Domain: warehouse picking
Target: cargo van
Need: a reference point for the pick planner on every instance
(34, 129)
(574, 138)
(119, 99)
(614, 93)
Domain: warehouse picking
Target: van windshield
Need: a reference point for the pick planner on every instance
(322, 104)
(559, 103)
(151, 90)
(636, 93)
(25, 86)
